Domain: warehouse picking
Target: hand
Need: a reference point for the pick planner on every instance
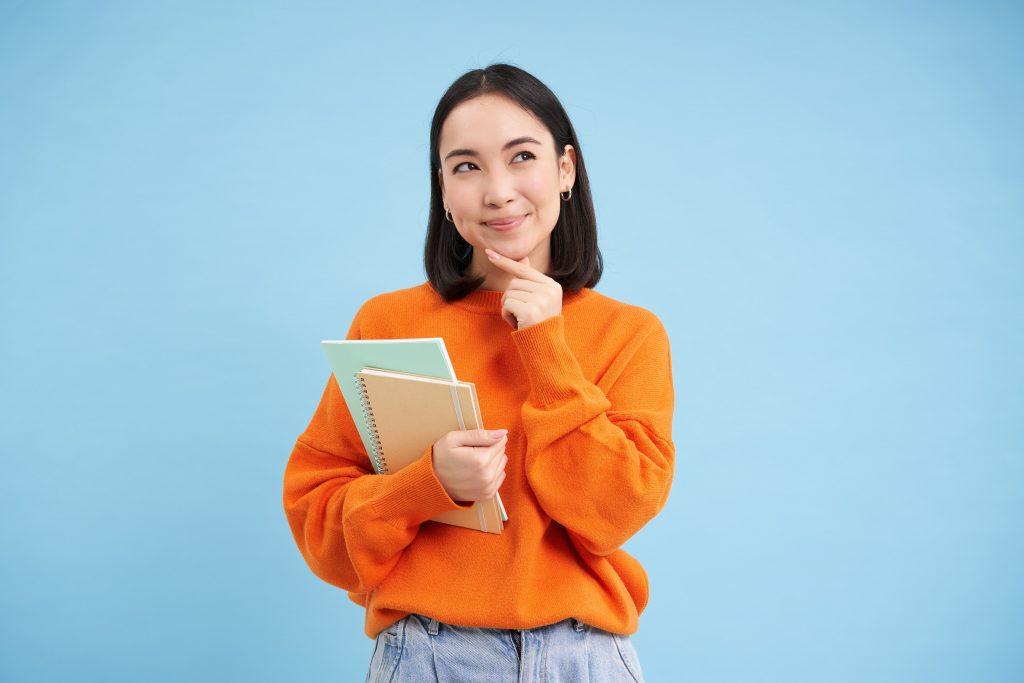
(531, 296)
(470, 463)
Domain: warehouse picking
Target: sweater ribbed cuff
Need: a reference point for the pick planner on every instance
(414, 494)
(554, 372)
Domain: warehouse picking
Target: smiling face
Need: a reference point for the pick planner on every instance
(497, 162)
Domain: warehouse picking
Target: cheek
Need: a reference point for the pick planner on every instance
(461, 197)
(540, 190)
(537, 186)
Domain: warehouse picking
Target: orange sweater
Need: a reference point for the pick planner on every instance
(587, 397)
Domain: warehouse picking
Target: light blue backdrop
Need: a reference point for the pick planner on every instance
(822, 202)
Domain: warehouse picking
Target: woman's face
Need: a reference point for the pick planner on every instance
(482, 179)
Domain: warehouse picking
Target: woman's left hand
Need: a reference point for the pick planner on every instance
(531, 296)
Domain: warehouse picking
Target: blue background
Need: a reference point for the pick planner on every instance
(821, 201)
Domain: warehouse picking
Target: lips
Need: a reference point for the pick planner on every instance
(506, 223)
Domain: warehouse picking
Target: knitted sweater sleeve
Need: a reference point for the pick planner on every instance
(600, 461)
(350, 523)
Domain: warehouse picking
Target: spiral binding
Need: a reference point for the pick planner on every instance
(379, 464)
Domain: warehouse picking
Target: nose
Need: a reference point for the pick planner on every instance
(500, 188)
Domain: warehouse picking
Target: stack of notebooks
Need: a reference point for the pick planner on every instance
(403, 396)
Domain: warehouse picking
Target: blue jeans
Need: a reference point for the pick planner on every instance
(420, 648)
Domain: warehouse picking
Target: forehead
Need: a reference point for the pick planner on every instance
(487, 122)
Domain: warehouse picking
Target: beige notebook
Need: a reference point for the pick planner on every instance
(406, 413)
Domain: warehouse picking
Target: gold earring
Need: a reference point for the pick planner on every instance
(448, 215)
(566, 198)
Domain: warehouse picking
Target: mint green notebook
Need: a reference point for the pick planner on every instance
(421, 356)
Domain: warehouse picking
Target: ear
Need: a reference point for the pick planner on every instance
(567, 167)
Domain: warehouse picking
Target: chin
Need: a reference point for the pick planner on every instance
(515, 248)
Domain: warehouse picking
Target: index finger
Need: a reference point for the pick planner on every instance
(516, 268)
(475, 438)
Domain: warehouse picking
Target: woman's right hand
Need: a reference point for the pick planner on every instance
(470, 463)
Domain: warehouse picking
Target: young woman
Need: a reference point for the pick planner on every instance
(581, 382)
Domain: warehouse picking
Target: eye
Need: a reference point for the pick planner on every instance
(456, 169)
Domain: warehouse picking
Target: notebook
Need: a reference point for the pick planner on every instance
(407, 413)
(424, 356)
(421, 356)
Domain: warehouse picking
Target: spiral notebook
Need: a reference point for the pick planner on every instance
(405, 413)
(422, 356)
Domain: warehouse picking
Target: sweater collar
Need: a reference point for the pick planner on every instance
(489, 300)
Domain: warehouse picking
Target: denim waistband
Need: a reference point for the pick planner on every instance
(434, 625)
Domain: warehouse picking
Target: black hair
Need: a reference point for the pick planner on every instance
(575, 257)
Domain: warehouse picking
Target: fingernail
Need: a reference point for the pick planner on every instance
(498, 433)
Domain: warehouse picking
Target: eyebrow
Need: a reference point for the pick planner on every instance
(472, 153)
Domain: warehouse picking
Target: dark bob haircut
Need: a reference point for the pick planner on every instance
(575, 258)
